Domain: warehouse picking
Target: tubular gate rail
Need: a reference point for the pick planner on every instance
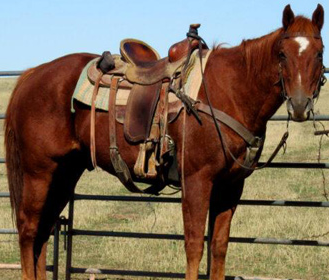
(71, 231)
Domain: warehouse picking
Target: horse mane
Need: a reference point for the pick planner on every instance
(258, 53)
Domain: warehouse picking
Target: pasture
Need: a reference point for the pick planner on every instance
(277, 261)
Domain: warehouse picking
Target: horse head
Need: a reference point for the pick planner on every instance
(300, 61)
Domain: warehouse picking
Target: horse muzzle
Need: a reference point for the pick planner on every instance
(299, 108)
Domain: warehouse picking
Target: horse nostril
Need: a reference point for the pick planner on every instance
(299, 108)
(309, 105)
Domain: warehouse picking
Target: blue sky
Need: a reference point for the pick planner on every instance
(35, 31)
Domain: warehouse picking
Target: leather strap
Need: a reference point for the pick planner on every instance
(255, 142)
(113, 92)
(119, 165)
(147, 164)
(300, 34)
(232, 123)
(93, 121)
(164, 103)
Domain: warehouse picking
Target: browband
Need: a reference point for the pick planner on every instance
(301, 34)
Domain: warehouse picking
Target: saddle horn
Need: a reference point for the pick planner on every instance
(106, 62)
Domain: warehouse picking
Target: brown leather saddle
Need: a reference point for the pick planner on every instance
(140, 69)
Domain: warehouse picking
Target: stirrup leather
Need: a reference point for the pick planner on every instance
(146, 164)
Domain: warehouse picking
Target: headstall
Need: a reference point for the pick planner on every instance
(322, 78)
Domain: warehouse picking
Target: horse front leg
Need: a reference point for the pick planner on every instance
(195, 204)
(223, 203)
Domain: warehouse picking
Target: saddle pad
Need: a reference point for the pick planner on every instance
(84, 89)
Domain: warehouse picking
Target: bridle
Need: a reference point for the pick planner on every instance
(320, 83)
(254, 148)
(322, 78)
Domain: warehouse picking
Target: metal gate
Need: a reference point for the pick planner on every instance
(70, 232)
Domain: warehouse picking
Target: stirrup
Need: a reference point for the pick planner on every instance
(145, 166)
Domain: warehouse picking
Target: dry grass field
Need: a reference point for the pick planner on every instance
(272, 261)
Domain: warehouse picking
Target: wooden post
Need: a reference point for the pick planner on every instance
(10, 266)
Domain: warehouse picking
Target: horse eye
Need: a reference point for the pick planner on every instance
(320, 55)
(282, 56)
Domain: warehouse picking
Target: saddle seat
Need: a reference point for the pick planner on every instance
(137, 52)
(140, 64)
(144, 64)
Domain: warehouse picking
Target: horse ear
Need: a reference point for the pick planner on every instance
(288, 17)
(318, 17)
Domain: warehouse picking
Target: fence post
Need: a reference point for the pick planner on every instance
(208, 246)
(56, 250)
(69, 240)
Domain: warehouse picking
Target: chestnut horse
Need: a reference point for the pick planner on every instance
(47, 147)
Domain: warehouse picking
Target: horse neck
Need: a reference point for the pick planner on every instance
(244, 81)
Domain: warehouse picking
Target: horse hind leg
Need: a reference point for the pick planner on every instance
(33, 198)
(50, 192)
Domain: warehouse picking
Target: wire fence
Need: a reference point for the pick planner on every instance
(70, 232)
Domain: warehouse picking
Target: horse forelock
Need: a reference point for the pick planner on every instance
(303, 25)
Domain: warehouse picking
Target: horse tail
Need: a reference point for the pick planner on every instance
(13, 152)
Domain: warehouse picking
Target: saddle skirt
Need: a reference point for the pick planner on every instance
(85, 86)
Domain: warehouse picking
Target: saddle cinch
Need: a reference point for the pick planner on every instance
(148, 79)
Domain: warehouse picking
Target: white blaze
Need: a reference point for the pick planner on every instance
(299, 79)
(303, 43)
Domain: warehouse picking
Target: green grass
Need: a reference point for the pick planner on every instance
(273, 261)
